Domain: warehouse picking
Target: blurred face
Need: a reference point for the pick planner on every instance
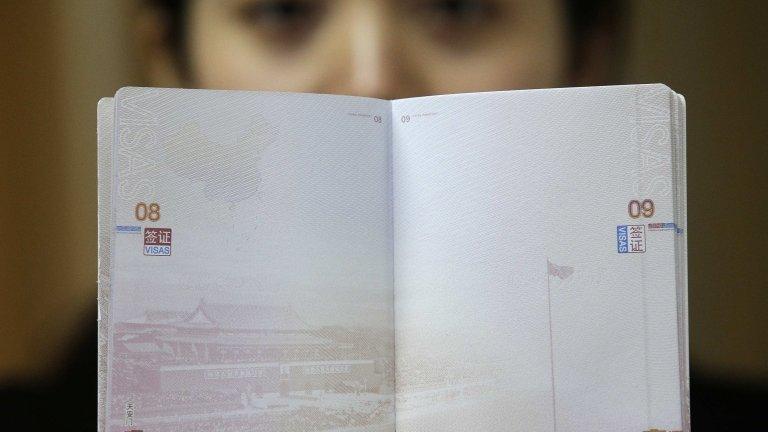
(379, 48)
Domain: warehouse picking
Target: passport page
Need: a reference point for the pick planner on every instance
(251, 263)
(105, 136)
(539, 261)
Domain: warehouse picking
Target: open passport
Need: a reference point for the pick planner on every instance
(504, 261)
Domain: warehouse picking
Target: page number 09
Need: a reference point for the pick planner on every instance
(643, 208)
(144, 211)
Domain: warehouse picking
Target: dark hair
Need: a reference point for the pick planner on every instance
(174, 13)
(588, 19)
(585, 18)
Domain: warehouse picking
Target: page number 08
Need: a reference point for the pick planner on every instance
(144, 211)
(637, 208)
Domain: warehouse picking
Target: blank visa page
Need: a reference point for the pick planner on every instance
(527, 296)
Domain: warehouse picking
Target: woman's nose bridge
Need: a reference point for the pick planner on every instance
(373, 46)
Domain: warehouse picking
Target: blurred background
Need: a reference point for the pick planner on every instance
(60, 57)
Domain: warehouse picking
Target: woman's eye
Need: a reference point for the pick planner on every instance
(459, 24)
(287, 20)
(459, 13)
